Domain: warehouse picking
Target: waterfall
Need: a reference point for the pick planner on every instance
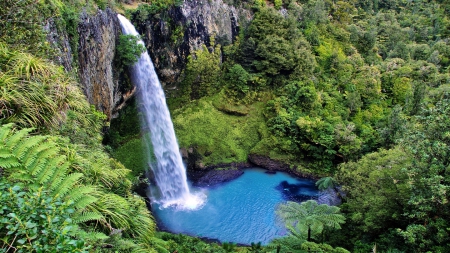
(168, 169)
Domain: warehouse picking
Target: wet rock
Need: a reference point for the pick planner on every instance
(214, 177)
(274, 165)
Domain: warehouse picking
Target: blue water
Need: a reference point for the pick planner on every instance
(240, 211)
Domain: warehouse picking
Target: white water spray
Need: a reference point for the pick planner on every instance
(168, 169)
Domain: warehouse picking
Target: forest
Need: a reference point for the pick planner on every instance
(355, 92)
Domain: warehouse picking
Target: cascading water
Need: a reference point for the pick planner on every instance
(169, 171)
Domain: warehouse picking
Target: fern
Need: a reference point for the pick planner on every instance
(85, 201)
(25, 146)
(19, 136)
(50, 167)
(30, 158)
(5, 153)
(10, 162)
(58, 175)
(87, 216)
(4, 131)
(66, 184)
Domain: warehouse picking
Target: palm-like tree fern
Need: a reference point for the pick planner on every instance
(309, 217)
(325, 183)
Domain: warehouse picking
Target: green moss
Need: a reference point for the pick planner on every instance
(132, 155)
(219, 137)
(125, 127)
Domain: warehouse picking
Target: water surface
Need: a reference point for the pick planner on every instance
(240, 211)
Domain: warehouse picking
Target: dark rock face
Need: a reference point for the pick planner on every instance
(60, 43)
(172, 36)
(273, 165)
(214, 177)
(97, 71)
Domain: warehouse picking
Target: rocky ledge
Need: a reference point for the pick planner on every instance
(274, 165)
(214, 177)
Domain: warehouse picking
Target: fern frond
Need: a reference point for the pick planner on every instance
(66, 184)
(20, 176)
(25, 145)
(9, 162)
(84, 201)
(5, 130)
(18, 136)
(115, 208)
(49, 170)
(4, 153)
(51, 151)
(46, 173)
(87, 216)
(30, 160)
(59, 174)
(95, 236)
(37, 166)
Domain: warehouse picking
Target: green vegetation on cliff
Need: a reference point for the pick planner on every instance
(354, 89)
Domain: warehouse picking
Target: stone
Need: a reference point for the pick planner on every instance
(59, 41)
(199, 20)
(214, 177)
(97, 70)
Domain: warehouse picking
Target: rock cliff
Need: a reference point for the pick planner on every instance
(98, 73)
(171, 36)
(59, 41)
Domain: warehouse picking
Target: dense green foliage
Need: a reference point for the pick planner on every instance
(229, 137)
(309, 218)
(355, 90)
(33, 221)
(128, 50)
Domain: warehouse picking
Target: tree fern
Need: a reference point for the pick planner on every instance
(310, 217)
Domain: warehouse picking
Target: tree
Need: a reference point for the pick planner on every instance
(202, 71)
(429, 183)
(129, 49)
(326, 183)
(376, 190)
(310, 217)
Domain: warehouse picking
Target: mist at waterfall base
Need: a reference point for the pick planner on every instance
(240, 211)
(167, 167)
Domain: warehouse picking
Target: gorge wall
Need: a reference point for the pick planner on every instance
(170, 37)
(173, 34)
(98, 72)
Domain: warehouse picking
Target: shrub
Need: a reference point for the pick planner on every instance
(129, 49)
